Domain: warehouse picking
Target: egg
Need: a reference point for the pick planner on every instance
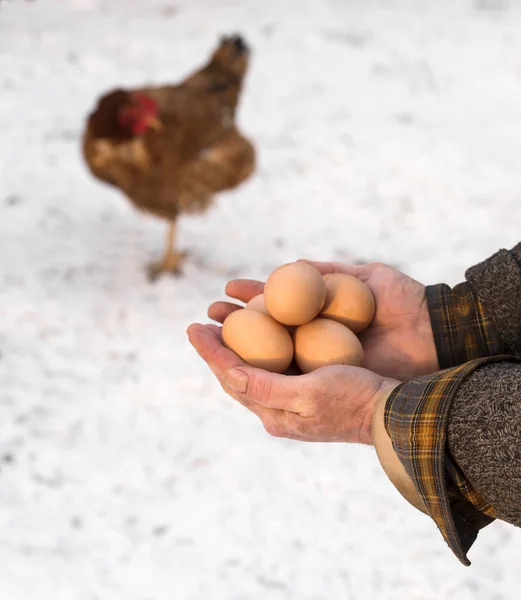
(257, 303)
(295, 293)
(322, 342)
(258, 339)
(348, 301)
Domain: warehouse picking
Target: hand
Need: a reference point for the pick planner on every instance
(399, 342)
(332, 404)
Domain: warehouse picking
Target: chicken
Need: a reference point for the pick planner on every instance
(171, 149)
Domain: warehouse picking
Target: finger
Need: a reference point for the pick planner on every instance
(254, 385)
(244, 289)
(275, 421)
(279, 423)
(231, 393)
(327, 268)
(219, 311)
(261, 396)
(269, 390)
(290, 420)
(207, 341)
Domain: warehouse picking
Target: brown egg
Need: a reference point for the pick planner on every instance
(323, 342)
(257, 303)
(349, 301)
(295, 293)
(259, 340)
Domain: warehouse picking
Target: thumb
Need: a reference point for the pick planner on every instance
(270, 390)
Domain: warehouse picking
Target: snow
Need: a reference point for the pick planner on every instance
(386, 131)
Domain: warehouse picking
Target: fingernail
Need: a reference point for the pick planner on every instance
(236, 380)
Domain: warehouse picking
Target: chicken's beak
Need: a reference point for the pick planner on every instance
(155, 124)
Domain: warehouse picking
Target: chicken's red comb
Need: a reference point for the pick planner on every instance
(146, 102)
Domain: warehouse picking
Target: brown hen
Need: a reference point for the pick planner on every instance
(171, 148)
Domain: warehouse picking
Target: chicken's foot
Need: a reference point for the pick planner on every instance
(172, 259)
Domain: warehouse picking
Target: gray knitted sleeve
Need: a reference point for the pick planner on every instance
(484, 434)
(497, 283)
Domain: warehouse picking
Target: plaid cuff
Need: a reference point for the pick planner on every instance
(462, 331)
(416, 417)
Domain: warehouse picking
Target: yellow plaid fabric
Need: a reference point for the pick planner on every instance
(462, 331)
(416, 418)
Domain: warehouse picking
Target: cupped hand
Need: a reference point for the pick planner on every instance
(332, 404)
(399, 342)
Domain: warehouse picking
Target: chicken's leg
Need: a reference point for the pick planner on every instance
(171, 261)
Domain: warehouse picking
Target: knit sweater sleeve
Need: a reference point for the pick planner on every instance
(484, 436)
(497, 285)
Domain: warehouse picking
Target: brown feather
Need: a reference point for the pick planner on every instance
(197, 153)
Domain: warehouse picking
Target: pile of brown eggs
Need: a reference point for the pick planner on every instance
(302, 316)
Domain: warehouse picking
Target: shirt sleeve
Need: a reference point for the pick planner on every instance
(417, 415)
(462, 329)
(482, 316)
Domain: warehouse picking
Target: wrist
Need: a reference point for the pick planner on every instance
(386, 386)
(428, 343)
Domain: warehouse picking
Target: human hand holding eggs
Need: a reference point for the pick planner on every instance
(333, 403)
(398, 342)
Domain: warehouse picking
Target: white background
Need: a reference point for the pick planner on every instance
(386, 131)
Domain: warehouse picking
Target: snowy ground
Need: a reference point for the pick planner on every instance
(386, 130)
